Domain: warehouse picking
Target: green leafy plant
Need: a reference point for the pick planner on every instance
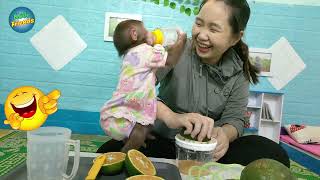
(187, 7)
(182, 9)
(166, 2)
(188, 11)
(172, 5)
(196, 10)
(187, 2)
(156, 1)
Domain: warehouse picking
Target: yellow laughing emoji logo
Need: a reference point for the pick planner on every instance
(27, 108)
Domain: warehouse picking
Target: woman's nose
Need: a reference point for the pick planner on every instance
(203, 35)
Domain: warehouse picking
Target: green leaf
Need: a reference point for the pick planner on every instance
(196, 2)
(196, 10)
(172, 5)
(157, 2)
(166, 3)
(182, 9)
(188, 11)
(187, 2)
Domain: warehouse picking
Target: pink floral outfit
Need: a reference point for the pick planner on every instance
(134, 100)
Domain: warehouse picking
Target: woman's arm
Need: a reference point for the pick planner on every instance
(236, 107)
(165, 114)
(230, 131)
(224, 135)
(231, 122)
(195, 124)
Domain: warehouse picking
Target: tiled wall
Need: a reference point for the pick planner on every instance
(88, 81)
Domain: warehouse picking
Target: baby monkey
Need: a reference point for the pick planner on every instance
(130, 113)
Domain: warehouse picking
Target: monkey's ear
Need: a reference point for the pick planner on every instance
(133, 34)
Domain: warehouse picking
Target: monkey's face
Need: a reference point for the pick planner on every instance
(149, 38)
(139, 35)
(144, 36)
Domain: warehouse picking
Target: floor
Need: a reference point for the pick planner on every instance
(13, 152)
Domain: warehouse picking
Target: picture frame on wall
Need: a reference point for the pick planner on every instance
(262, 59)
(112, 19)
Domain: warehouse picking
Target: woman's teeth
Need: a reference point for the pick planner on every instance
(203, 46)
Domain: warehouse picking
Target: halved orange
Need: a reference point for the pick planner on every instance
(144, 177)
(114, 163)
(137, 163)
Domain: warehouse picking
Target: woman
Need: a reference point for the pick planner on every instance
(207, 91)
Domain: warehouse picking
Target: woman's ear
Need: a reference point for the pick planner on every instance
(237, 38)
(133, 34)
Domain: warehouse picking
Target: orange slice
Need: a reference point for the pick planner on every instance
(114, 163)
(144, 177)
(137, 163)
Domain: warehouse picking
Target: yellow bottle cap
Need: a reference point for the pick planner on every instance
(158, 36)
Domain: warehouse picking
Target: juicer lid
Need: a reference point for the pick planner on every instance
(195, 145)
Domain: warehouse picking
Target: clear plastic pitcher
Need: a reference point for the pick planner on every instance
(48, 153)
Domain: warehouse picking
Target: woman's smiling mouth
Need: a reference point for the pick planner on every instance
(203, 48)
(26, 110)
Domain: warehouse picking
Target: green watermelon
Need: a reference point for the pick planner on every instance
(266, 169)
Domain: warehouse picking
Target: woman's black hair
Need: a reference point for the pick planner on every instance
(238, 19)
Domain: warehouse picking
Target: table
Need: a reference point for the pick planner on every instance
(168, 170)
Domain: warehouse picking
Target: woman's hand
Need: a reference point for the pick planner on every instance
(195, 124)
(222, 143)
(175, 50)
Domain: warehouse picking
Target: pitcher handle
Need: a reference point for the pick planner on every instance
(76, 160)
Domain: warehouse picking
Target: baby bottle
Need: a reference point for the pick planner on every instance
(165, 36)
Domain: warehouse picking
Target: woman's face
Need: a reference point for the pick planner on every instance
(212, 33)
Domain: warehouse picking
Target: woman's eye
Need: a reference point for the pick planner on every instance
(213, 30)
(198, 24)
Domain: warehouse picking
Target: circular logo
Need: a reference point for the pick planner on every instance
(21, 19)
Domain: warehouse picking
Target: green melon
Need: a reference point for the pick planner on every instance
(266, 169)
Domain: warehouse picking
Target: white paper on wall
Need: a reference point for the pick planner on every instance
(58, 43)
(286, 63)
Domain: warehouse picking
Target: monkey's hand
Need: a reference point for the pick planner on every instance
(137, 137)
